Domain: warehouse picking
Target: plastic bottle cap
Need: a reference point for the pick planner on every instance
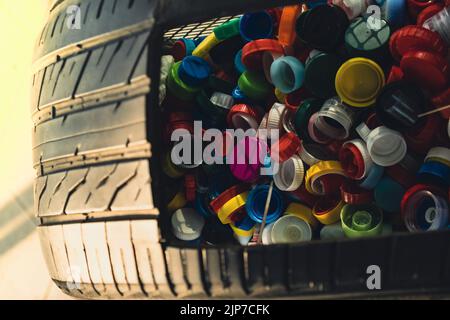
(286, 29)
(322, 27)
(424, 209)
(182, 48)
(440, 23)
(254, 86)
(396, 74)
(290, 174)
(314, 153)
(256, 25)
(399, 105)
(286, 147)
(358, 82)
(355, 159)
(314, 133)
(361, 221)
(177, 87)
(247, 159)
(252, 52)
(362, 40)
(320, 75)
(335, 119)
(291, 229)
(373, 177)
(328, 210)
(318, 171)
(228, 29)
(352, 194)
(267, 234)
(439, 154)
(243, 116)
(303, 115)
(274, 120)
(205, 46)
(194, 71)
(414, 38)
(287, 74)
(427, 69)
(395, 12)
(428, 13)
(435, 173)
(256, 203)
(388, 195)
(386, 147)
(187, 224)
(222, 100)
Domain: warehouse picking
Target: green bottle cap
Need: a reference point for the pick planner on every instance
(320, 75)
(227, 30)
(362, 39)
(361, 220)
(254, 86)
(303, 114)
(177, 87)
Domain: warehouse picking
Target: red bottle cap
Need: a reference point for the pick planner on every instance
(227, 195)
(295, 99)
(441, 100)
(352, 161)
(353, 194)
(246, 110)
(416, 6)
(428, 12)
(331, 183)
(419, 187)
(302, 195)
(414, 38)
(252, 53)
(428, 70)
(422, 138)
(395, 74)
(286, 146)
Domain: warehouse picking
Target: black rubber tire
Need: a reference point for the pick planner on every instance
(97, 202)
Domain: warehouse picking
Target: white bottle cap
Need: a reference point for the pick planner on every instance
(267, 234)
(290, 175)
(386, 146)
(222, 100)
(291, 229)
(187, 224)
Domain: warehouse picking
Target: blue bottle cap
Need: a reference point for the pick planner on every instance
(435, 173)
(256, 203)
(257, 25)
(287, 74)
(373, 177)
(396, 12)
(389, 194)
(199, 40)
(240, 68)
(202, 205)
(245, 224)
(194, 71)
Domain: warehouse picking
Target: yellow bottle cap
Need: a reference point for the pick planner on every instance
(359, 81)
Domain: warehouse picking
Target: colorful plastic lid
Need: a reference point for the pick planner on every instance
(399, 105)
(361, 40)
(358, 82)
(320, 74)
(361, 220)
(256, 25)
(291, 229)
(413, 38)
(194, 71)
(187, 224)
(323, 27)
(427, 69)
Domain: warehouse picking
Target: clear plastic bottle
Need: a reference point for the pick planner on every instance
(440, 23)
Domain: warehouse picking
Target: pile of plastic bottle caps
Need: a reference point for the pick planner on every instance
(344, 109)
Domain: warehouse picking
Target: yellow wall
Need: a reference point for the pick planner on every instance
(20, 23)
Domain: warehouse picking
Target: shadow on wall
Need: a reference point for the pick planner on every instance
(17, 220)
